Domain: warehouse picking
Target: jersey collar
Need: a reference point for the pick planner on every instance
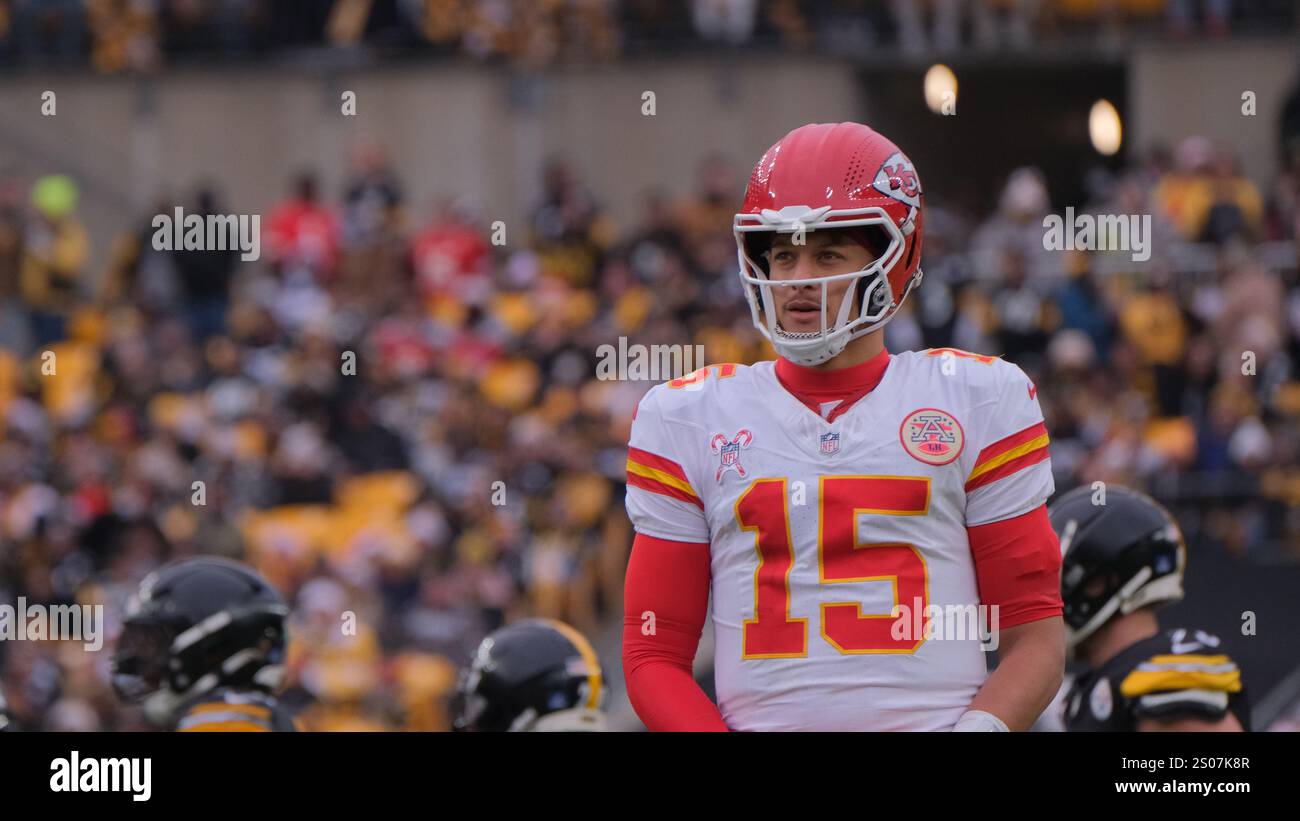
(813, 387)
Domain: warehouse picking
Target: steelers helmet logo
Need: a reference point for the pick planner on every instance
(1101, 702)
(932, 436)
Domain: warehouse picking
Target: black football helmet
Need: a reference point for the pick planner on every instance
(196, 625)
(1116, 557)
(536, 675)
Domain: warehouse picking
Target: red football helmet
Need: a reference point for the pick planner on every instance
(832, 175)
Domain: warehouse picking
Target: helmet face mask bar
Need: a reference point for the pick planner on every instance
(140, 663)
(875, 306)
(832, 176)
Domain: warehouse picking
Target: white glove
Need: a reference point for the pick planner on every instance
(978, 721)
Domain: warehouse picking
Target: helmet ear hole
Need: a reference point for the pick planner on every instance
(912, 247)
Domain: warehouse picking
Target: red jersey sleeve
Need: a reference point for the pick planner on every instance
(1018, 567)
(666, 596)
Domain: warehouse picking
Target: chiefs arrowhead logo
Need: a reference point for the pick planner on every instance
(897, 178)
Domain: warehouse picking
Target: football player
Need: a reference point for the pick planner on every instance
(536, 675)
(202, 648)
(829, 500)
(1123, 560)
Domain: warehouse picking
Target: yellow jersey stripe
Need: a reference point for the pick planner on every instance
(1141, 682)
(1190, 658)
(222, 707)
(1015, 453)
(660, 476)
(226, 727)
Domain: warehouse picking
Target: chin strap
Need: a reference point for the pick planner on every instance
(978, 721)
(161, 707)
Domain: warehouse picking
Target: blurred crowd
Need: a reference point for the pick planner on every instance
(140, 35)
(1177, 374)
(399, 422)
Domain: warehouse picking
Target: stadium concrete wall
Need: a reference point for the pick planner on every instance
(1179, 90)
(451, 129)
(484, 133)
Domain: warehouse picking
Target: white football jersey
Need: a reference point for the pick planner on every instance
(817, 529)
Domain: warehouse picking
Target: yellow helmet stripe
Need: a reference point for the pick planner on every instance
(588, 654)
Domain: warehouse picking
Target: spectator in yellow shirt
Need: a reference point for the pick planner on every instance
(54, 258)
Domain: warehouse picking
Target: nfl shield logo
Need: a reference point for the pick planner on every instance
(830, 444)
(728, 451)
(730, 454)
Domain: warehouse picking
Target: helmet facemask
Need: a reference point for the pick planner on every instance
(140, 662)
(1094, 596)
(866, 306)
(161, 666)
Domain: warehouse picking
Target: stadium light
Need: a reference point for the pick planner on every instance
(1104, 128)
(941, 89)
